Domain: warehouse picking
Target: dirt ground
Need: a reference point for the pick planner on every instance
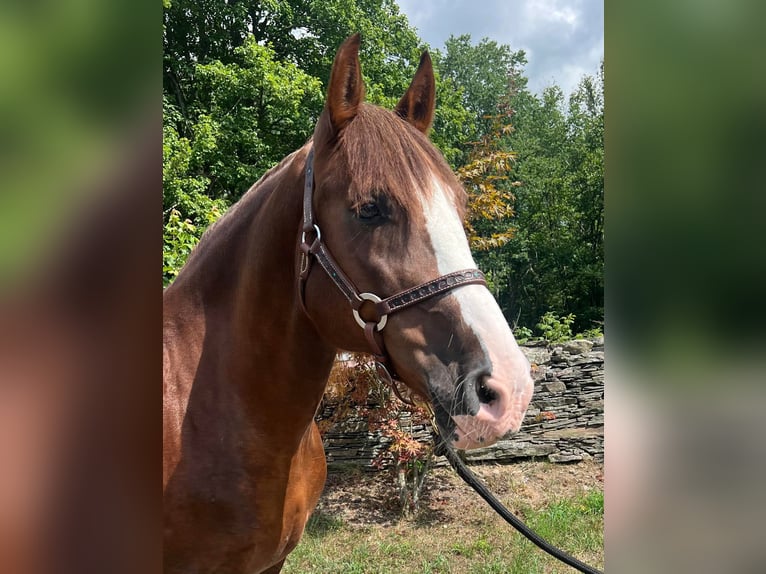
(366, 498)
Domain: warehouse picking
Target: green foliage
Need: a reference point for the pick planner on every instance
(180, 237)
(320, 524)
(454, 125)
(251, 113)
(554, 260)
(479, 546)
(593, 333)
(522, 334)
(304, 33)
(593, 503)
(483, 73)
(181, 187)
(555, 329)
(554, 521)
(187, 207)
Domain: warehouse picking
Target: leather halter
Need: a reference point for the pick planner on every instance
(314, 248)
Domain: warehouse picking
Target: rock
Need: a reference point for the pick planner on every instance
(537, 372)
(555, 387)
(558, 457)
(574, 433)
(535, 344)
(578, 346)
(594, 406)
(509, 450)
(537, 356)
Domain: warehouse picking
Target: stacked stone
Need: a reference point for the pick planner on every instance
(565, 419)
(564, 422)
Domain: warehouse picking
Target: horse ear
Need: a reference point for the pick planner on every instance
(418, 103)
(346, 90)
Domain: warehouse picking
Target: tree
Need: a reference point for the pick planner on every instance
(252, 112)
(188, 210)
(554, 262)
(487, 182)
(305, 33)
(483, 73)
(586, 158)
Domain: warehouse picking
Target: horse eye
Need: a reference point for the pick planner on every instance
(369, 211)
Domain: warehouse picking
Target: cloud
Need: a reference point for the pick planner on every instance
(563, 39)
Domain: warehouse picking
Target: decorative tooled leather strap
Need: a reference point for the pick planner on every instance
(429, 289)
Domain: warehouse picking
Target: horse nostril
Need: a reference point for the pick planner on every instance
(471, 391)
(485, 394)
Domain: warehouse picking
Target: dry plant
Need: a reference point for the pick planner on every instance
(354, 388)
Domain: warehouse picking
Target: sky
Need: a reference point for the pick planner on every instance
(563, 39)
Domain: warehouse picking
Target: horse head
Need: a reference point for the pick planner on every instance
(391, 213)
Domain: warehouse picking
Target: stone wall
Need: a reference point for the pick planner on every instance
(564, 422)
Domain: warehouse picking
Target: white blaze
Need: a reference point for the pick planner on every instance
(510, 378)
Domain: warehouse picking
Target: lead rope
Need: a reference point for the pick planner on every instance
(441, 447)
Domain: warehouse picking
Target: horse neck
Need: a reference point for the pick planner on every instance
(259, 342)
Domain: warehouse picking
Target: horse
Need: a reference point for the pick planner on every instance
(355, 242)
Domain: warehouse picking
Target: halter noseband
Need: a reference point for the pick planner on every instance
(382, 307)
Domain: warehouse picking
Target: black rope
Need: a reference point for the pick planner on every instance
(442, 448)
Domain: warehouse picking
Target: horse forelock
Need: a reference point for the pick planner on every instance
(384, 154)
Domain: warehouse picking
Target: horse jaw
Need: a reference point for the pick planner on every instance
(510, 381)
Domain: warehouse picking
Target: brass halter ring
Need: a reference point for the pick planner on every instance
(361, 322)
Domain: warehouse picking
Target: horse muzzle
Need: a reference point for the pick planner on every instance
(500, 412)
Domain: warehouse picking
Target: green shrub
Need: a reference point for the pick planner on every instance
(555, 329)
(522, 334)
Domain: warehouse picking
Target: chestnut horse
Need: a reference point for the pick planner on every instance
(252, 324)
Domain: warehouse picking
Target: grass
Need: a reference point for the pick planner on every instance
(480, 543)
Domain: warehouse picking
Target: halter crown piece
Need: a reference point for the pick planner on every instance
(312, 247)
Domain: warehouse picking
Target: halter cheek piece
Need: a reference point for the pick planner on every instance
(312, 247)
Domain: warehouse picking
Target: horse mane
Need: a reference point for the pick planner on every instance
(384, 153)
